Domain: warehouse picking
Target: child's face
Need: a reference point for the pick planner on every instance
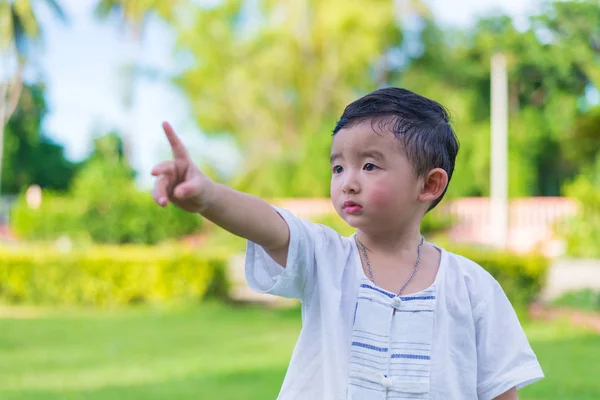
(373, 185)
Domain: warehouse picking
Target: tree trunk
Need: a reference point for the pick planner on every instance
(133, 61)
(10, 92)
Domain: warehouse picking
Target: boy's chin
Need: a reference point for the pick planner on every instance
(352, 220)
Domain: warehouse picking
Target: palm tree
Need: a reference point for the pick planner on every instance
(133, 15)
(19, 28)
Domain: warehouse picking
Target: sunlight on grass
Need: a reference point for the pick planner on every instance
(214, 352)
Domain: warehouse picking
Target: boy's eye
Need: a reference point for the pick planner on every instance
(337, 169)
(369, 167)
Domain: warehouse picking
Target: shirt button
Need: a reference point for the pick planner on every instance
(397, 302)
(387, 383)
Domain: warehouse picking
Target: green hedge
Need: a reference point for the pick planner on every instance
(109, 275)
(116, 275)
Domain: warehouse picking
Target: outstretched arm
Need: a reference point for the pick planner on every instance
(180, 182)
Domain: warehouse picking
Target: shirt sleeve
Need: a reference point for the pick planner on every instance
(265, 275)
(504, 357)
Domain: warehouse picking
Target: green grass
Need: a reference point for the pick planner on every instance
(212, 352)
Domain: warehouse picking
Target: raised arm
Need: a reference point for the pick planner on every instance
(180, 182)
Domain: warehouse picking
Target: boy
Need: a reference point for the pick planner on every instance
(386, 315)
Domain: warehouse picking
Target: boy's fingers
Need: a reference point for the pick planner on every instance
(164, 168)
(160, 193)
(186, 189)
(177, 146)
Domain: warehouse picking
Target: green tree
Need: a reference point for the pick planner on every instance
(573, 28)
(19, 29)
(582, 140)
(31, 157)
(546, 85)
(277, 75)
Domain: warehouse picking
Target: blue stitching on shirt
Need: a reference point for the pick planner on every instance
(418, 298)
(370, 347)
(390, 295)
(411, 356)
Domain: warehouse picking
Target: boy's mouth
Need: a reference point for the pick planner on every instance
(351, 207)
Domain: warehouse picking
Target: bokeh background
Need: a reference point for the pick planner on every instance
(104, 295)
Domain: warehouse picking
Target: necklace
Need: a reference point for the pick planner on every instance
(414, 271)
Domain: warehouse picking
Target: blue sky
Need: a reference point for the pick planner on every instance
(82, 66)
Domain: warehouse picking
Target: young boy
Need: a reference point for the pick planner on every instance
(385, 314)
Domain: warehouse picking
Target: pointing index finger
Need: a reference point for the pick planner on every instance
(177, 147)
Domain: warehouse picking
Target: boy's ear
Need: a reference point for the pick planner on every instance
(434, 184)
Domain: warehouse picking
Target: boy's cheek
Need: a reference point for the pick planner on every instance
(335, 194)
(380, 197)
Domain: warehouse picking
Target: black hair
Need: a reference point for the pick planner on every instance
(421, 125)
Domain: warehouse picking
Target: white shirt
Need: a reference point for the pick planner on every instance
(466, 341)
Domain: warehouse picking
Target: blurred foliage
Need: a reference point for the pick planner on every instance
(582, 231)
(30, 156)
(549, 73)
(277, 75)
(108, 275)
(585, 138)
(135, 12)
(19, 32)
(21, 23)
(103, 205)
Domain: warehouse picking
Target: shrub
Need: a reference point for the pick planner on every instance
(108, 275)
(521, 276)
(582, 232)
(104, 212)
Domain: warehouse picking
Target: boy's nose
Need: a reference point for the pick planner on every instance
(351, 185)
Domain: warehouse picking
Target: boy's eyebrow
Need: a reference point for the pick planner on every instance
(363, 154)
(371, 154)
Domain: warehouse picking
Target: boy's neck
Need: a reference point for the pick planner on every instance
(392, 259)
(394, 242)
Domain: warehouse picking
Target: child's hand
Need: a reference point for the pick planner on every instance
(180, 181)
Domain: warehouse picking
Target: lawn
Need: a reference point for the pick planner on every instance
(212, 352)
